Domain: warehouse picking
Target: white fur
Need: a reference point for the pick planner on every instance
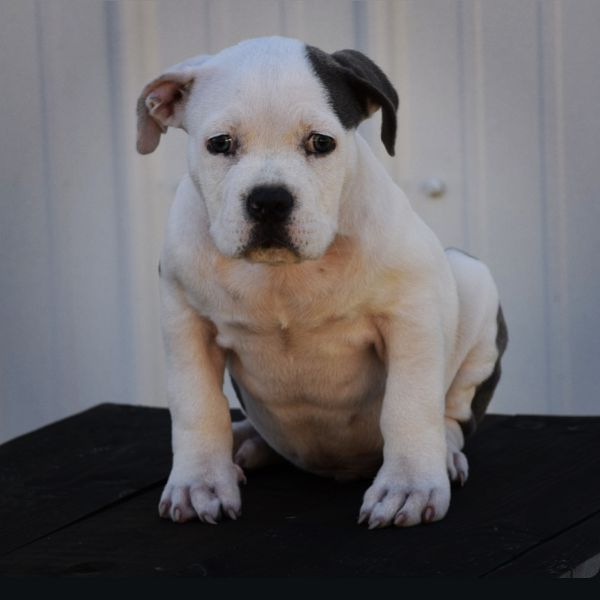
(369, 340)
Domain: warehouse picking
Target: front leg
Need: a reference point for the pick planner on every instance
(204, 480)
(412, 485)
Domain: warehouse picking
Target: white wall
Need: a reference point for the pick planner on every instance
(499, 99)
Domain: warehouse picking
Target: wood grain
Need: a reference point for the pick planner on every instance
(60, 473)
(84, 494)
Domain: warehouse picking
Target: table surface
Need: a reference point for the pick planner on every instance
(79, 499)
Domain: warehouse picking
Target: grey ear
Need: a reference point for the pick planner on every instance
(357, 87)
(162, 103)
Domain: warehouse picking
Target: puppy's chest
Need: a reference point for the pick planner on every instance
(298, 310)
(293, 329)
(286, 361)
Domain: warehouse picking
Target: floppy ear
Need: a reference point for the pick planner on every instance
(163, 101)
(357, 88)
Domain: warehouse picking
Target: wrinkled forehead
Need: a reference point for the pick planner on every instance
(271, 80)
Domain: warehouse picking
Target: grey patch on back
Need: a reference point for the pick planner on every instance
(351, 80)
(485, 390)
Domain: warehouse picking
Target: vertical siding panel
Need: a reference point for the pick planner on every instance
(329, 25)
(185, 30)
(143, 201)
(93, 365)
(436, 140)
(26, 328)
(292, 19)
(554, 223)
(581, 99)
(513, 208)
(399, 16)
(474, 130)
(464, 74)
(233, 21)
(383, 44)
(182, 33)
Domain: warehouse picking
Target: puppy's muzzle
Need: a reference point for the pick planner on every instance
(269, 209)
(269, 205)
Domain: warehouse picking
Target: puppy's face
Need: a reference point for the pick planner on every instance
(272, 149)
(268, 155)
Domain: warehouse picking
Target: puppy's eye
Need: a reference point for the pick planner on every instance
(318, 143)
(220, 144)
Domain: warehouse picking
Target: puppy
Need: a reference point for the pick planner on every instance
(357, 346)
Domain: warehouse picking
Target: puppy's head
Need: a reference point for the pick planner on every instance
(271, 152)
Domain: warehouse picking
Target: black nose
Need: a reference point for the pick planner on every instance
(269, 204)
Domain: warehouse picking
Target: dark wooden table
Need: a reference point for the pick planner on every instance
(79, 499)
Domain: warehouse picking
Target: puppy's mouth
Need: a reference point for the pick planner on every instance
(271, 247)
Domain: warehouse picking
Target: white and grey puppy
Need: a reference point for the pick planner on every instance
(357, 346)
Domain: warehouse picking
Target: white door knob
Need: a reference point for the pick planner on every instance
(434, 187)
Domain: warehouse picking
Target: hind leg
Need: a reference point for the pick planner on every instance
(458, 411)
(456, 461)
(481, 340)
(469, 395)
(250, 451)
(460, 420)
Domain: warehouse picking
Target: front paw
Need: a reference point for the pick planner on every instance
(397, 499)
(206, 494)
